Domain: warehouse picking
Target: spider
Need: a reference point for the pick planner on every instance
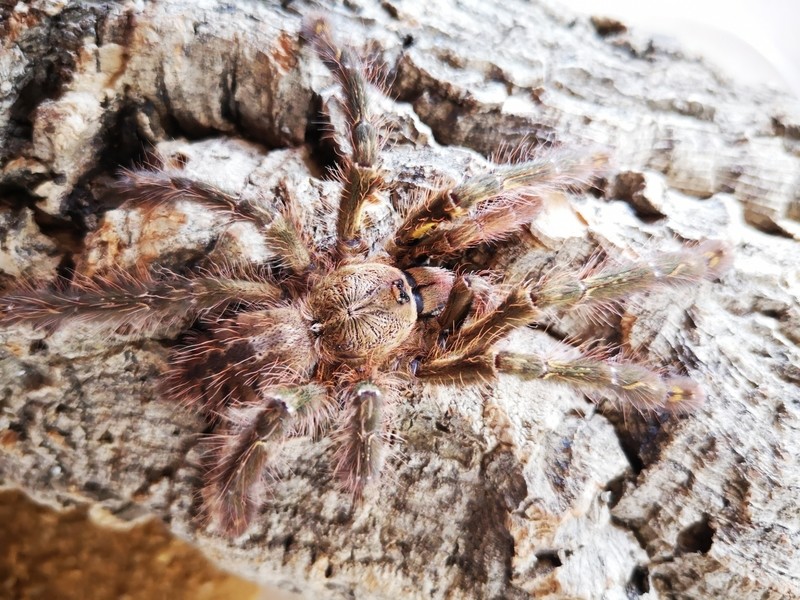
(326, 339)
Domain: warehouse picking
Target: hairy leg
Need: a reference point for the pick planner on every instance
(626, 383)
(466, 355)
(610, 284)
(244, 450)
(143, 302)
(469, 346)
(361, 174)
(470, 298)
(469, 294)
(152, 188)
(241, 454)
(362, 434)
(488, 207)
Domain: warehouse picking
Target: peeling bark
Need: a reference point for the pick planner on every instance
(524, 489)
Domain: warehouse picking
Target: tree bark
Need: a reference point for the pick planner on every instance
(505, 492)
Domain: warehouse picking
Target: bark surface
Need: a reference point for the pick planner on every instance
(504, 492)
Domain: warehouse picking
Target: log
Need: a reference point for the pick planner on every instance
(517, 490)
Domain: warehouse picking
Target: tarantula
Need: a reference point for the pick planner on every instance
(325, 340)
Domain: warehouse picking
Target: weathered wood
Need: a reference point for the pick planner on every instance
(518, 490)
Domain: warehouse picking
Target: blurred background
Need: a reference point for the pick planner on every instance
(755, 41)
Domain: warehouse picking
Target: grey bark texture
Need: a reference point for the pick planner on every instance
(505, 491)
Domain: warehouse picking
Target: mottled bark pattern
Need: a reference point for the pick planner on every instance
(523, 489)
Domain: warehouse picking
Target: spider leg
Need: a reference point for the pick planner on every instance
(361, 173)
(248, 442)
(361, 437)
(152, 188)
(470, 294)
(488, 207)
(523, 305)
(628, 383)
(250, 438)
(140, 301)
(466, 354)
(610, 284)
(515, 310)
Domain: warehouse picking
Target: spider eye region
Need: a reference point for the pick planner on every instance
(362, 311)
(399, 289)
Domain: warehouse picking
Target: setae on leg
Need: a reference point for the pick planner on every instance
(151, 188)
(489, 207)
(362, 434)
(141, 301)
(361, 174)
(243, 452)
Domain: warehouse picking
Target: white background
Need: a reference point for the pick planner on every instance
(757, 41)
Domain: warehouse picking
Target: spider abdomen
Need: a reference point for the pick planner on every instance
(237, 358)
